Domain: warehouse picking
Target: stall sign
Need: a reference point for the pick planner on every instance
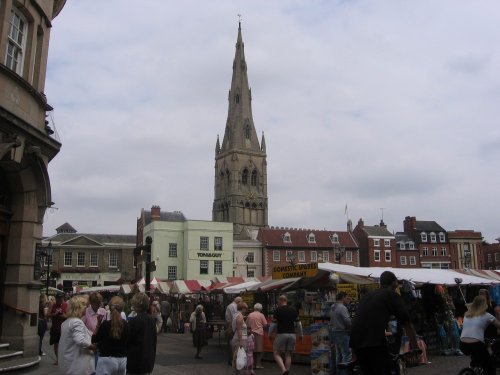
(295, 270)
(248, 299)
(350, 289)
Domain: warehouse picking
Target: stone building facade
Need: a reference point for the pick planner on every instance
(466, 249)
(27, 146)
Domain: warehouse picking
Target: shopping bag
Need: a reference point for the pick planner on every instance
(241, 359)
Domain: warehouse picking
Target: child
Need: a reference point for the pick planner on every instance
(249, 347)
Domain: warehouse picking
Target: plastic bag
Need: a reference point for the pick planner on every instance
(241, 359)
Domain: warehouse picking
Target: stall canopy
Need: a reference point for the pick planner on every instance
(100, 289)
(415, 275)
(242, 287)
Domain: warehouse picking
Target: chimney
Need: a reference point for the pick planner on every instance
(361, 223)
(155, 213)
(409, 225)
(382, 224)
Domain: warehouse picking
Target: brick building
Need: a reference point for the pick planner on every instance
(376, 245)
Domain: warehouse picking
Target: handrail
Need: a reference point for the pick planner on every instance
(17, 309)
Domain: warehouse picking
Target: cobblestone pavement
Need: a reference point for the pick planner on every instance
(175, 356)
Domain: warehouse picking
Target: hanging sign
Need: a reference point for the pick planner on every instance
(295, 270)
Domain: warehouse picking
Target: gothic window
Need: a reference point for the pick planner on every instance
(247, 131)
(228, 175)
(237, 98)
(244, 177)
(254, 178)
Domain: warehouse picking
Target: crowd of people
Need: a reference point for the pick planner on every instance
(89, 339)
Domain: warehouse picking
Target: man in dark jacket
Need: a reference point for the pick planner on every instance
(368, 339)
(141, 349)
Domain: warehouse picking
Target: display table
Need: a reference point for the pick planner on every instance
(219, 324)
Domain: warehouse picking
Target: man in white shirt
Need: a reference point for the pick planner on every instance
(231, 311)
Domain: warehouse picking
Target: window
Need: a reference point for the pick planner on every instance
(433, 237)
(289, 255)
(172, 250)
(254, 178)
(16, 42)
(311, 238)
(314, 256)
(45, 259)
(276, 255)
(217, 267)
(80, 259)
(113, 259)
(203, 267)
(217, 243)
(376, 242)
(442, 237)
(387, 243)
(326, 256)
(434, 251)
(94, 260)
(387, 254)
(302, 256)
(413, 261)
(287, 237)
(443, 251)
(411, 245)
(335, 238)
(496, 257)
(402, 260)
(250, 257)
(68, 259)
(172, 272)
(244, 177)
(423, 237)
(489, 257)
(376, 255)
(250, 273)
(247, 131)
(401, 246)
(425, 251)
(348, 256)
(203, 243)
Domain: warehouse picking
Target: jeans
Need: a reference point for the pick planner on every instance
(341, 341)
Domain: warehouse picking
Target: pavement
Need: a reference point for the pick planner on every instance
(175, 356)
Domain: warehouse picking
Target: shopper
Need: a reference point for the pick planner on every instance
(141, 348)
(340, 328)
(286, 322)
(231, 311)
(76, 351)
(198, 322)
(112, 336)
(240, 330)
(58, 315)
(43, 312)
(256, 321)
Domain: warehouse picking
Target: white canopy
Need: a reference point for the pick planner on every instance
(242, 287)
(415, 275)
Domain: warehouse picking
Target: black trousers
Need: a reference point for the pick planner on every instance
(479, 356)
(374, 360)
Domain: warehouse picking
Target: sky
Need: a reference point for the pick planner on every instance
(388, 108)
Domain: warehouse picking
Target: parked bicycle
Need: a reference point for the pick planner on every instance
(398, 363)
(475, 368)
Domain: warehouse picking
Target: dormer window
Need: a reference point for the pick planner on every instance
(442, 237)
(433, 237)
(423, 237)
(411, 245)
(311, 238)
(401, 245)
(287, 237)
(335, 238)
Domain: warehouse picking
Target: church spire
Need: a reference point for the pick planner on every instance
(240, 130)
(263, 143)
(217, 146)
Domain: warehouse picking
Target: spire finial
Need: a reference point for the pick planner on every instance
(239, 20)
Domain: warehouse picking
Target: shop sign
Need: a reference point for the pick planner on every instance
(295, 270)
(210, 255)
(248, 299)
(350, 289)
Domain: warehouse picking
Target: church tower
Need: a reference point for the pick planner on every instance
(240, 162)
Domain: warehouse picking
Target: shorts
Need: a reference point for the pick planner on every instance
(284, 342)
(259, 344)
(54, 337)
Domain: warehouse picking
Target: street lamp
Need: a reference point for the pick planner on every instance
(47, 252)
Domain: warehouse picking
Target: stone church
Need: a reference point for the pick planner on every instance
(240, 161)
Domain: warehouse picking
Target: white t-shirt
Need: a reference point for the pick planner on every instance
(474, 327)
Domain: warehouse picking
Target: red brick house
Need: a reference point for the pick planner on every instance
(283, 246)
(491, 256)
(432, 242)
(376, 245)
(407, 255)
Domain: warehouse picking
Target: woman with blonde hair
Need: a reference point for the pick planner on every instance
(476, 320)
(112, 336)
(75, 350)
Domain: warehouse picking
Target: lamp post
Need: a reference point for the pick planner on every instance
(338, 252)
(47, 253)
(146, 250)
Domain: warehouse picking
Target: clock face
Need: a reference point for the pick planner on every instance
(251, 195)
